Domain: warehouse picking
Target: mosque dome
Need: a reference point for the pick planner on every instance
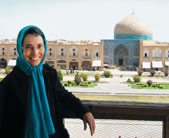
(130, 28)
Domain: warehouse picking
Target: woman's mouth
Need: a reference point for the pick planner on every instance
(34, 58)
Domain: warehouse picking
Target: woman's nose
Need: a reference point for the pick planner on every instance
(35, 50)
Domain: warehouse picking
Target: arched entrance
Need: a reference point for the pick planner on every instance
(73, 64)
(121, 55)
(3, 63)
(86, 65)
(61, 64)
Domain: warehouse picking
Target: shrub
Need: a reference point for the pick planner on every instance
(140, 72)
(142, 85)
(129, 80)
(7, 70)
(107, 74)
(60, 75)
(97, 77)
(81, 74)
(137, 78)
(149, 82)
(77, 79)
(157, 85)
(71, 83)
(89, 82)
(85, 83)
(85, 77)
(152, 72)
(65, 84)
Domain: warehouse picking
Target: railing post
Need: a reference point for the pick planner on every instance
(166, 127)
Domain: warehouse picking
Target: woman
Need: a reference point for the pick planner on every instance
(32, 98)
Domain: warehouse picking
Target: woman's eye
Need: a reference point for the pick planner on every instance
(27, 47)
(39, 46)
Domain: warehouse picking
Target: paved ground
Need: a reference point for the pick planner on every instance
(117, 84)
(111, 128)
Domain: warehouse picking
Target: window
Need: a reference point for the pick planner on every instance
(86, 54)
(14, 53)
(50, 49)
(97, 54)
(96, 51)
(146, 53)
(73, 51)
(62, 54)
(62, 49)
(167, 53)
(50, 53)
(156, 53)
(85, 49)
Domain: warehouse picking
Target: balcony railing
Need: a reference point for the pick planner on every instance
(130, 111)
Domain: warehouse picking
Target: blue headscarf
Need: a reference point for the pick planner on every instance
(39, 122)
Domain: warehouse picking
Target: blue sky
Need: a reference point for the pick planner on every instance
(81, 19)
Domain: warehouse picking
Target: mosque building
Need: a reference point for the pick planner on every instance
(133, 47)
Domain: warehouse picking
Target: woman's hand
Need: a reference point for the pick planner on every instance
(88, 118)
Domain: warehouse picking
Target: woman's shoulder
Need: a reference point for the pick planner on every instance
(49, 72)
(47, 69)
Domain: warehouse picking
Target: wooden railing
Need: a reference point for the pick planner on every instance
(131, 111)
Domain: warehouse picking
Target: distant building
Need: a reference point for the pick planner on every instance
(133, 47)
(154, 55)
(62, 56)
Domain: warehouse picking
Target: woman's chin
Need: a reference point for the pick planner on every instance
(34, 63)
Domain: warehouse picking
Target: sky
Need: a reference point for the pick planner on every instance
(81, 19)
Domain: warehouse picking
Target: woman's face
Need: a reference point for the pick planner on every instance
(33, 49)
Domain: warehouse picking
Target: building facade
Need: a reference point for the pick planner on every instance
(133, 47)
(154, 55)
(62, 56)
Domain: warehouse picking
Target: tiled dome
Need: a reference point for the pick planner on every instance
(131, 26)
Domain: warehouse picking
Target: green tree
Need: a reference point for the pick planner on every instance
(60, 75)
(77, 79)
(107, 74)
(97, 77)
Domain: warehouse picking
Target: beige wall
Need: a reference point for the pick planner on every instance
(53, 53)
(150, 46)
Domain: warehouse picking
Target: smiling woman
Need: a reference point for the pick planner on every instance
(32, 99)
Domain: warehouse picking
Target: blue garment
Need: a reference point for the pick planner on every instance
(39, 122)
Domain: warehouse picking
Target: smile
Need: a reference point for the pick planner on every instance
(34, 59)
